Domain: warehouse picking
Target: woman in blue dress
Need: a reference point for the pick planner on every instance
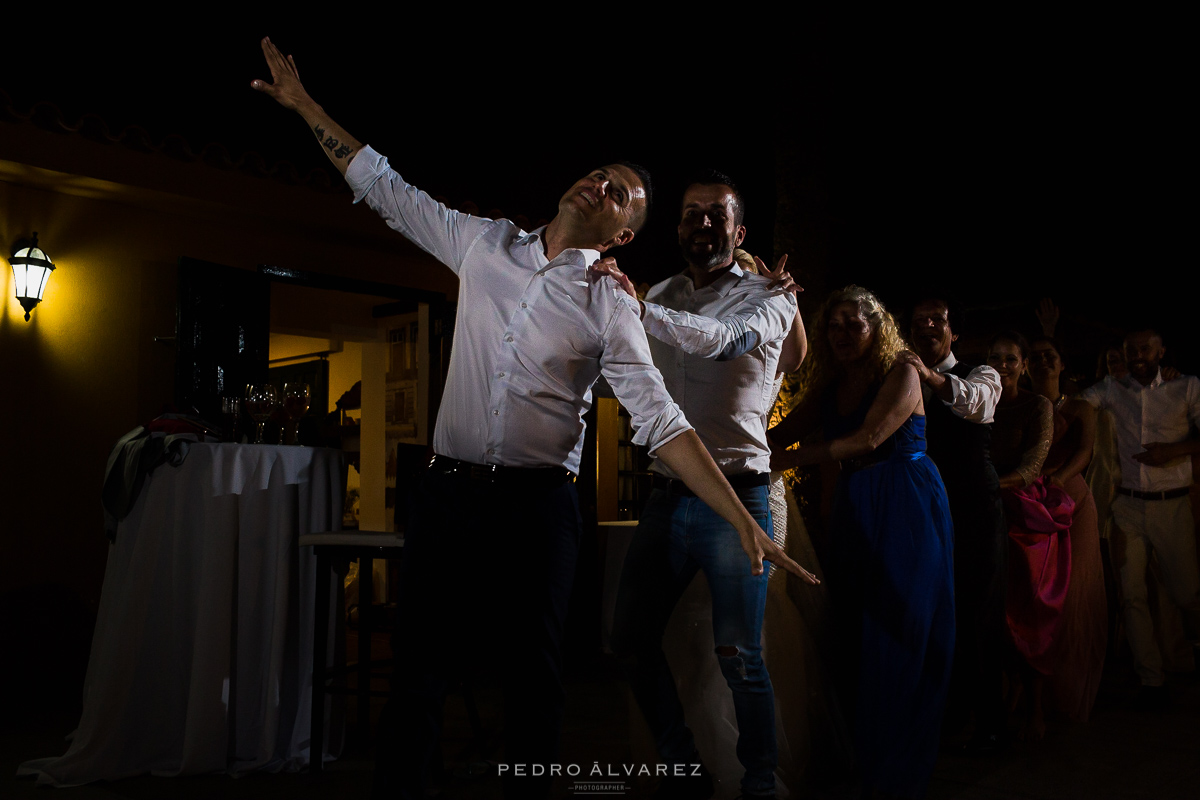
(891, 571)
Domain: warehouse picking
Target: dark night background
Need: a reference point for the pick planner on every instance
(1005, 155)
(1009, 159)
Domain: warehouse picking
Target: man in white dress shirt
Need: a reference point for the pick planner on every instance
(959, 403)
(1152, 510)
(716, 336)
(491, 548)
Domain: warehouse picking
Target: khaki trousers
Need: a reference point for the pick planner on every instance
(1162, 530)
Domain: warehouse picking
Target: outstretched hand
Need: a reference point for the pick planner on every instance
(759, 546)
(780, 278)
(285, 87)
(1047, 314)
(287, 90)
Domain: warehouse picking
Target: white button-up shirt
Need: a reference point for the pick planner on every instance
(1164, 412)
(531, 335)
(975, 398)
(698, 338)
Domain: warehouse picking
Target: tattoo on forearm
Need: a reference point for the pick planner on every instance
(339, 150)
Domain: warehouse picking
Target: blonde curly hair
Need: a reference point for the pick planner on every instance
(745, 260)
(821, 367)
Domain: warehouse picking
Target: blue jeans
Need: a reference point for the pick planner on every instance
(676, 536)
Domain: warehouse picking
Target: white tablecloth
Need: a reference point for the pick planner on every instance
(202, 656)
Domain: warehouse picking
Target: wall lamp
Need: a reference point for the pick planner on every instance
(31, 270)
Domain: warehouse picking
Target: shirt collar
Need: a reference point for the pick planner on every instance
(1130, 382)
(722, 285)
(532, 237)
(946, 363)
(579, 256)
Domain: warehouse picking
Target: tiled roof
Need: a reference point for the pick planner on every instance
(49, 117)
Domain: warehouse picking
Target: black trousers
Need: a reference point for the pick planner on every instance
(980, 583)
(487, 574)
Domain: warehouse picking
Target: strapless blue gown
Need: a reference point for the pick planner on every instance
(893, 588)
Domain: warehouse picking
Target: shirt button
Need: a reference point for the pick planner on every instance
(495, 412)
(491, 452)
(501, 375)
(524, 305)
(508, 338)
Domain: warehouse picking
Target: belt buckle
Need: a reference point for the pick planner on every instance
(482, 472)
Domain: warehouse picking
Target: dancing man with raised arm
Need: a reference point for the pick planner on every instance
(717, 333)
(491, 547)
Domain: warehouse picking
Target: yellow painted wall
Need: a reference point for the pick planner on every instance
(286, 345)
(80, 374)
(85, 369)
(345, 360)
(345, 370)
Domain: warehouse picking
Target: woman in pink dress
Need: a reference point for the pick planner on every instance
(1077, 654)
(1039, 516)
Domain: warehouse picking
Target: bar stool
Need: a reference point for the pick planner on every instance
(363, 547)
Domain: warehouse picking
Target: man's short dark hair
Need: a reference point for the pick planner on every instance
(643, 176)
(712, 177)
(955, 314)
(1141, 326)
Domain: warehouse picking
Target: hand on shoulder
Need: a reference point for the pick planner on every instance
(911, 359)
(608, 267)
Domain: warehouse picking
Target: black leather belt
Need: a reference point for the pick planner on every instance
(497, 473)
(742, 480)
(1169, 494)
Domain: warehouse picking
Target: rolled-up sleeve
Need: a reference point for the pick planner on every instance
(762, 318)
(637, 383)
(444, 233)
(975, 397)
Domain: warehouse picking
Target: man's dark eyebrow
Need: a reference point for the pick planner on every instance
(619, 185)
(612, 179)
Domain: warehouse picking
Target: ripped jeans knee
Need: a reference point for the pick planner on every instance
(742, 669)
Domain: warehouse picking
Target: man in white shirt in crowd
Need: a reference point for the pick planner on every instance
(716, 335)
(1154, 419)
(960, 401)
(491, 548)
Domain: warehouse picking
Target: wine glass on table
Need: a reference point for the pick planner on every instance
(261, 402)
(295, 406)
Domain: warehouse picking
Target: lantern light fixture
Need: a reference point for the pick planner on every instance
(31, 270)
